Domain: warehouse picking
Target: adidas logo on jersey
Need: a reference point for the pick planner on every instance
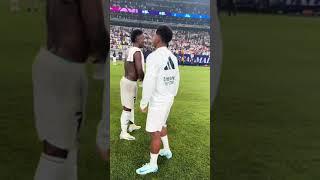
(169, 65)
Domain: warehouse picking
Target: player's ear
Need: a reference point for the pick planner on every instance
(157, 38)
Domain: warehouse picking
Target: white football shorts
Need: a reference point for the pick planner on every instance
(157, 116)
(128, 92)
(59, 92)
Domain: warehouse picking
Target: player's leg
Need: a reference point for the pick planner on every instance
(57, 163)
(125, 118)
(134, 101)
(58, 118)
(165, 142)
(166, 152)
(126, 112)
(52, 164)
(127, 101)
(156, 119)
(132, 116)
(133, 126)
(114, 61)
(155, 145)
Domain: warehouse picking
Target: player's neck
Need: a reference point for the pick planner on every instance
(161, 45)
(136, 45)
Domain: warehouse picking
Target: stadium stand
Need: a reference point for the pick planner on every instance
(189, 7)
(191, 41)
(292, 7)
(166, 5)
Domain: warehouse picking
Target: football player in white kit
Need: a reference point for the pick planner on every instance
(160, 86)
(114, 58)
(60, 83)
(134, 71)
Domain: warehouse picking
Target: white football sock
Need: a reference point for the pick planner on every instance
(125, 117)
(71, 165)
(51, 168)
(165, 142)
(153, 158)
(132, 116)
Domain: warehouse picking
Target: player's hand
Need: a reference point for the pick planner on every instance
(144, 110)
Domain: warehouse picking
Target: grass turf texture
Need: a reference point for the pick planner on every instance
(268, 110)
(188, 131)
(21, 35)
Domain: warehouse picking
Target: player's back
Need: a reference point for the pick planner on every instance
(66, 36)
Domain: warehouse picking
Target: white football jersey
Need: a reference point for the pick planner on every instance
(131, 52)
(161, 81)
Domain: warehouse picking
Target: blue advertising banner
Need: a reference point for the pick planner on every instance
(193, 60)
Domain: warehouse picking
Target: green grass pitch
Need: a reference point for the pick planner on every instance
(268, 111)
(188, 131)
(21, 36)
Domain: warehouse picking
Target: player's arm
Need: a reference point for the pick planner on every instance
(149, 83)
(138, 65)
(177, 82)
(103, 130)
(93, 17)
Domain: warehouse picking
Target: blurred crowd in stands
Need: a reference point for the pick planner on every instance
(175, 6)
(183, 42)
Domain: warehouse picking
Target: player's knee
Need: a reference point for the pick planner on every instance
(54, 151)
(126, 109)
(156, 135)
(163, 131)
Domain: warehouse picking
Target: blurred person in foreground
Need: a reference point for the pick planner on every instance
(75, 34)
